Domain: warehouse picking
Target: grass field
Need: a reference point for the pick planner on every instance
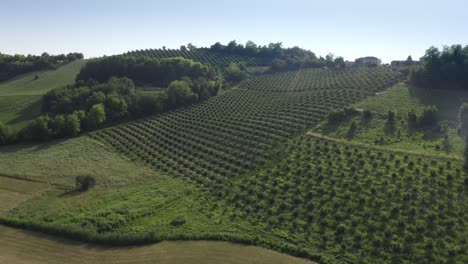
(24, 247)
(20, 97)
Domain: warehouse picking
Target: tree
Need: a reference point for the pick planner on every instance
(96, 116)
(6, 134)
(466, 153)
(38, 129)
(428, 117)
(72, 125)
(233, 73)
(463, 119)
(409, 61)
(179, 93)
(84, 182)
(412, 121)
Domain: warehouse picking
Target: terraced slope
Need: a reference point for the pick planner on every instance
(364, 79)
(203, 56)
(230, 134)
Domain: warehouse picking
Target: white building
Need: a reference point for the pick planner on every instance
(368, 61)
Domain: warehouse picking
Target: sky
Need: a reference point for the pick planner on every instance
(390, 30)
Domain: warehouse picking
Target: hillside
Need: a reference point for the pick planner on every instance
(215, 144)
(20, 97)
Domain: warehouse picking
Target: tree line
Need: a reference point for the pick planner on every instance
(88, 105)
(279, 58)
(446, 69)
(13, 65)
(144, 70)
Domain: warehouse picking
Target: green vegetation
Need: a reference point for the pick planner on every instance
(13, 65)
(20, 98)
(446, 69)
(359, 204)
(18, 246)
(416, 126)
(378, 179)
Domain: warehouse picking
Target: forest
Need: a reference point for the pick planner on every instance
(442, 69)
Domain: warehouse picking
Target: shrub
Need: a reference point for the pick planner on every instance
(352, 130)
(336, 116)
(428, 117)
(84, 182)
(463, 118)
(412, 121)
(178, 221)
(366, 116)
(6, 134)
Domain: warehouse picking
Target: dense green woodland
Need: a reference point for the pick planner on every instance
(13, 65)
(446, 69)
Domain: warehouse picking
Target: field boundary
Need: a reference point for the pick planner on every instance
(362, 145)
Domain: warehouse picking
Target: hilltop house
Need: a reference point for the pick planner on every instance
(368, 61)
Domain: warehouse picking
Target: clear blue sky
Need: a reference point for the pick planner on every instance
(386, 29)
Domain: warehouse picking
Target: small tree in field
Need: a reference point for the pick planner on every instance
(84, 182)
(466, 154)
(463, 118)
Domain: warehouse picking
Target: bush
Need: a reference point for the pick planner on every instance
(412, 121)
(352, 130)
(463, 118)
(336, 116)
(366, 116)
(429, 117)
(178, 221)
(6, 134)
(84, 182)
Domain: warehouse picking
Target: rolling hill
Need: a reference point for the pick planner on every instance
(244, 166)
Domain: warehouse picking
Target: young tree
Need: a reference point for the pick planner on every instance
(466, 154)
(463, 118)
(72, 126)
(84, 182)
(6, 134)
(179, 93)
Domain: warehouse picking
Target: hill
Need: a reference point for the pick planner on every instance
(20, 97)
(215, 144)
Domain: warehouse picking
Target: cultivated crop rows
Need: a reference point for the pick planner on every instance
(375, 206)
(225, 135)
(203, 56)
(369, 80)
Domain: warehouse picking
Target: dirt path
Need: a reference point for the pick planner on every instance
(351, 143)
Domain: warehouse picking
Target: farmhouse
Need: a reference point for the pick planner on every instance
(368, 61)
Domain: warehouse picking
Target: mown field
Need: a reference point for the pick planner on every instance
(23, 247)
(20, 98)
(241, 167)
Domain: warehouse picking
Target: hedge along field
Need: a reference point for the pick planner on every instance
(231, 133)
(359, 204)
